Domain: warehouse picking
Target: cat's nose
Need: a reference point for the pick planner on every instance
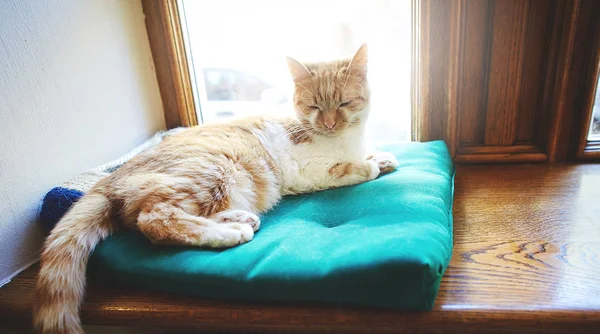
(329, 123)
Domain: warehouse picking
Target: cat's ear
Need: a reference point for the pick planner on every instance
(358, 64)
(299, 72)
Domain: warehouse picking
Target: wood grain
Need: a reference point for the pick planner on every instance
(526, 259)
(477, 149)
(475, 61)
(494, 158)
(561, 96)
(432, 27)
(535, 58)
(435, 114)
(170, 60)
(493, 154)
(559, 17)
(505, 71)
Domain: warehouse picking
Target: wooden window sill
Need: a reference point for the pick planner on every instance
(526, 259)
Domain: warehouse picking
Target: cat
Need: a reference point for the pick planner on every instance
(207, 185)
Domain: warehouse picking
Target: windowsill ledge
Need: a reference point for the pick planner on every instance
(525, 260)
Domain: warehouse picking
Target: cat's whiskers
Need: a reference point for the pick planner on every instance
(346, 80)
(305, 89)
(361, 92)
(304, 99)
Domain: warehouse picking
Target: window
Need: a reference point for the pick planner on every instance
(498, 81)
(236, 54)
(594, 133)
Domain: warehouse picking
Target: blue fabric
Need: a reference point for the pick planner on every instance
(55, 204)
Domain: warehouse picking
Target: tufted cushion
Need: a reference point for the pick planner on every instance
(383, 243)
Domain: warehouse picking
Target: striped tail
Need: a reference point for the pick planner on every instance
(61, 281)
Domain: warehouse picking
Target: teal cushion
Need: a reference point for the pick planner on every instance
(382, 243)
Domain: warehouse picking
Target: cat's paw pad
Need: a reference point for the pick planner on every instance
(386, 162)
(230, 235)
(238, 216)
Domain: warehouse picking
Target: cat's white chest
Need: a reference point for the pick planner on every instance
(309, 164)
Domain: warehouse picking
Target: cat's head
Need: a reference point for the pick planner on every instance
(332, 96)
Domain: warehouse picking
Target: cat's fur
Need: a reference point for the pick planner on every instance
(207, 185)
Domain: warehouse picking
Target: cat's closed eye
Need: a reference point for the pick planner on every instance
(314, 107)
(344, 104)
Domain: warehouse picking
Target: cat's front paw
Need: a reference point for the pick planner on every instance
(374, 170)
(386, 162)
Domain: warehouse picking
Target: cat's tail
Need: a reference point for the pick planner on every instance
(61, 280)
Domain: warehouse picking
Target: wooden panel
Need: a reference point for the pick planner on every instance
(566, 83)
(475, 61)
(519, 67)
(170, 61)
(559, 35)
(440, 10)
(505, 71)
(576, 79)
(477, 149)
(492, 158)
(534, 66)
(435, 115)
(525, 260)
(505, 154)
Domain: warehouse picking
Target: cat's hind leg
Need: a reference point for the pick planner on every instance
(164, 223)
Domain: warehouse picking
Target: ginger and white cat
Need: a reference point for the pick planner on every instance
(207, 185)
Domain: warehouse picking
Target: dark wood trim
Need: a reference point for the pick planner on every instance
(499, 153)
(476, 48)
(571, 98)
(561, 97)
(454, 77)
(452, 34)
(480, 87)
(508, 33)
(437, 78)
(168, 51)
(499, 158)
(476, 149)
(589, 149)
(555, 64)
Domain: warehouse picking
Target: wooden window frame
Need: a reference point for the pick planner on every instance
(583, 148)
(437, 44)
(170, 61)
(578, 84)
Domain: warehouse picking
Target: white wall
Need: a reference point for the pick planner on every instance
(77, 88)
